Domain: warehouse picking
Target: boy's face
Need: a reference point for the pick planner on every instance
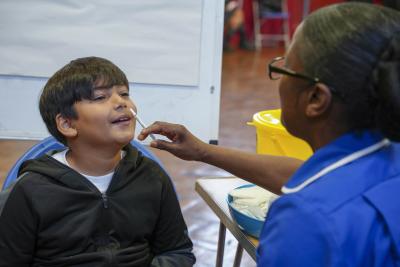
(106, 119)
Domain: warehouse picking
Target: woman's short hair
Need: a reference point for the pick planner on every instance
(355, 48)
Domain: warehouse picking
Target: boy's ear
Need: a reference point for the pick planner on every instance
(319, 99)
(64, 126)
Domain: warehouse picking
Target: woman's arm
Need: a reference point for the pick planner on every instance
(269, 172)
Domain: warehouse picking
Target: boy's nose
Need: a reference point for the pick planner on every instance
(119, 101)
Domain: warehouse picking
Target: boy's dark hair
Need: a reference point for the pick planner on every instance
(355, 48)
(72, 83)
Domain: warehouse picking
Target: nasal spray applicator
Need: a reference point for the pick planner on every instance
(141, 123)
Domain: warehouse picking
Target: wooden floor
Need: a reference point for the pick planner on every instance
(245, 91)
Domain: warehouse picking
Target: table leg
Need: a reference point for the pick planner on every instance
(238, 256)
(221, 245)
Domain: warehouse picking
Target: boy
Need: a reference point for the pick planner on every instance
(99, 202)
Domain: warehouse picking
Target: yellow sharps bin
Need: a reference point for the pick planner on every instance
(273, 139)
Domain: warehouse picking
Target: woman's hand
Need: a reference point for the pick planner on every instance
(183, 144)
(269, 172)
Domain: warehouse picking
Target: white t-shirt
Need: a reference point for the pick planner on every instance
(101, 182)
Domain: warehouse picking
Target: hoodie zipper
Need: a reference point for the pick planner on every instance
(105, 200)
(104, 195)
(110, 253)
(110, 257)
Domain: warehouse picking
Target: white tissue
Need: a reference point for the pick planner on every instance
(253, 201)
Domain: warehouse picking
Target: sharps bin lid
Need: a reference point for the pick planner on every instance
(270, 119)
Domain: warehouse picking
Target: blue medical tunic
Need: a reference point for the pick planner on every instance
(348, 217)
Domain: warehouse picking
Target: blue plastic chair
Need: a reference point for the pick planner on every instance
(50, 143)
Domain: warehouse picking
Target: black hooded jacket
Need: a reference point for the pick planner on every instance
(53, 216)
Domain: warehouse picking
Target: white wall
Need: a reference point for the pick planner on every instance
(170, 50)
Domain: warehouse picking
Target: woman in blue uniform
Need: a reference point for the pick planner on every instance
(340, 92)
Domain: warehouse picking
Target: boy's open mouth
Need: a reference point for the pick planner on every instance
(121, 119)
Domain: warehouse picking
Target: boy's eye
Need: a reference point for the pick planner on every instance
(124, 94)
(98, 97)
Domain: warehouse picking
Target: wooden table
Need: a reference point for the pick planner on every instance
(214, 191)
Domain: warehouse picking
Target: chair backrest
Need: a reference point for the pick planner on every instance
(269, 10)
(50, 143)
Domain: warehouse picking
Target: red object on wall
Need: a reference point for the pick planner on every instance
(248, 19)
(295, 9)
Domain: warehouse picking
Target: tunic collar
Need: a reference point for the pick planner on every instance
(333, 152)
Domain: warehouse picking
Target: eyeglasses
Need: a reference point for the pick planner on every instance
(276, 70)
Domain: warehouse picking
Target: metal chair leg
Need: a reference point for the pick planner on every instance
(221, 245)
(257, 26)
(286, 30)
(238, 256)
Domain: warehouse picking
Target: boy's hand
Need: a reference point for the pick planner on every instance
(183, 143)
